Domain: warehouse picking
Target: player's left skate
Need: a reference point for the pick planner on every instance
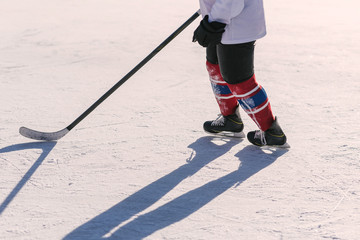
(274, 136)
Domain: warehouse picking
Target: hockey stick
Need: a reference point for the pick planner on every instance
(52, 136)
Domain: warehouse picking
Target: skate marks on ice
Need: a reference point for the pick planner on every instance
(46, 148)
(124, 221)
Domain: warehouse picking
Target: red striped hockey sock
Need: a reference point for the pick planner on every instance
(225, 99)
(253, 99)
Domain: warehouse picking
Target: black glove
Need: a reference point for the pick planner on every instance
(208, 33)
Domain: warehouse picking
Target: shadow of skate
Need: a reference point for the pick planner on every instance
(46, 149)
(111, 224)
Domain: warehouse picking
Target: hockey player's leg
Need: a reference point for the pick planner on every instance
(237, 69)
(253, 99)
(229, 122)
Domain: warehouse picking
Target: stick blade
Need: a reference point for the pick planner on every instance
(44, 136)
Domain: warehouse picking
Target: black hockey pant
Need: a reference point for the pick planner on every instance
(236, 61)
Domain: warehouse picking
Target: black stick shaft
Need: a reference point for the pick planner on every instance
(133, 71)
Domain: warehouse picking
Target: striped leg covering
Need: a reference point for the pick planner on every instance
(253, 99)
(225, 99)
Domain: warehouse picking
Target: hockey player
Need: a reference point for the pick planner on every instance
(228, 30)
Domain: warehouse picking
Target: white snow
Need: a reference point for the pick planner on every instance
(140, 166)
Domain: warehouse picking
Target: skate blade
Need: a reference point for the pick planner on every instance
(284, 146)
(228, 134)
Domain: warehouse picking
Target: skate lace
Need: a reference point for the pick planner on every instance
(219, 121)
(260, 135)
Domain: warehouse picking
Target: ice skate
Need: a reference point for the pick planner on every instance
(230, 126)
(274, 136)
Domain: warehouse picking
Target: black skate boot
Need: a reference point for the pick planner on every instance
(230, 126)
(274, 136)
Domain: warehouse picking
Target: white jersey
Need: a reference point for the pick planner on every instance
(244, 19)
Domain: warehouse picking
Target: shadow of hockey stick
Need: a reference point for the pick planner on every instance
(46, 149)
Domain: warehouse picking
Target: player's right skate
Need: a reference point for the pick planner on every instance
(231, 125)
